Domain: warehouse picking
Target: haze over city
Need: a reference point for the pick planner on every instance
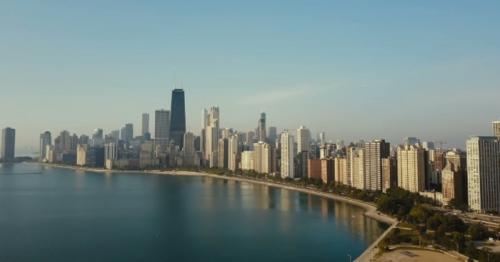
(356, 70)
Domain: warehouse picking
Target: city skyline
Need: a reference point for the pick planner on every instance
(427, 70)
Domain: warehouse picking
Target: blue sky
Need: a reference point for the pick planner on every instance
(355, 69)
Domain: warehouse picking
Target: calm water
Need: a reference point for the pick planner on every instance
(49, 214)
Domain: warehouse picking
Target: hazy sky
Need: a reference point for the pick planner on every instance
(355, 69)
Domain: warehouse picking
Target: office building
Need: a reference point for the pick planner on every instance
(223, 153)
(7, 153)
(233, 152)
(178, 117)
(411, 167)
(211, 136)
(483, 173)
(162, 127)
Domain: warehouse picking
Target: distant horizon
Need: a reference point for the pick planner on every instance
(355, 71)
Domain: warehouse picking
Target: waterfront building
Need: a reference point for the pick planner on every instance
(374, 152)
(262, 137)
(287, 155)
(357, 167)
(262, 158)
(211, 136)
(314, 169)
(147, 155)
(341, 175)
(178, 118)
(483, 173)
(223, 153)
(127, 132)
(8, 147)
(411, 167)
(303, 140)
(81, 155)
(110, 154)
(188, 150)
(45, 140)
(95, 156)
(389, 173)
(233, 152)
(162, 127)
(145, 124)
(454, 177)
(327, 170)
(247, 160)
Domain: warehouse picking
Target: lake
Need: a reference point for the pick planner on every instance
(54, 214)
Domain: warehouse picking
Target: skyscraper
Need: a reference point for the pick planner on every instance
(45, 140)
(411, 167)
(145, 124)
(483, 173)
(7, 153)
(262, 128)
(233, 152)
(375, 151)
(273, 135)
(287, 155)
(262, 158)
(178, 117)
(127, 132)
(496, 128)
(454, 177)
(211, 134)
(162, 127)
(303, 139)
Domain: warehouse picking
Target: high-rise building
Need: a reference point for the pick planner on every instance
(496, 128)
(454, 177)
(247, 160)
(223, 153)
(411, 140)
(375, 151)
(341, 175)
(303, 140)
(211, 136)
(262, 128)
(7, 153)
(233, 152)
(45, 140)
(178, 117)
(127, 132)
(321, 137)
(483, 173)
(314, 169)
(357, 167)
(162, 127)
(262, 158)
(273, 135)
(389, 173)
(411, 167)
(110, 154)
(287, 155)
(145, 124)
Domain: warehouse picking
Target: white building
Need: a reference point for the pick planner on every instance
(411, 167)
(287, 155)
(374, 152)
(483, 173)
(233, 152)
(247, 160)
(262, 158)
(303, 140)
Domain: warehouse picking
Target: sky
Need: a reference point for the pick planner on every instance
(354, 69)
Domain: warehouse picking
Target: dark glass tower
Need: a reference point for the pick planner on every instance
(177, 118)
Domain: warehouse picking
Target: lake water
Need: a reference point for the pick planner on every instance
(52, 214)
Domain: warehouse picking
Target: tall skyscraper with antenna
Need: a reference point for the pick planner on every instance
(178, 117)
